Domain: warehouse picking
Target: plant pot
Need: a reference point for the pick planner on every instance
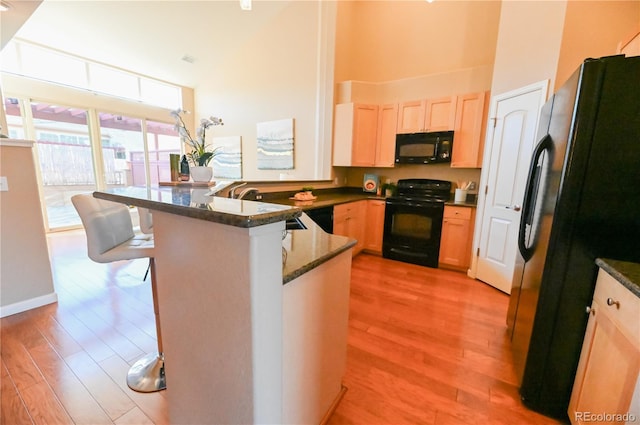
(201, 173)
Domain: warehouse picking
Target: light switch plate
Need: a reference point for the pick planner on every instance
(4, 184)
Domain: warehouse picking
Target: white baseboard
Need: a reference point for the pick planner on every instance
(29, 304)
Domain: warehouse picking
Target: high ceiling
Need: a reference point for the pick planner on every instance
(146, 36)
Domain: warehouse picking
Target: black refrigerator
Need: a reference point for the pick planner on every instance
(582, 201)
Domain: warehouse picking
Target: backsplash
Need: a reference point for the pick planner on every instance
(355, 175)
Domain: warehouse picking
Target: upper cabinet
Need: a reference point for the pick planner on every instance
(470, 125)
(427, 115)
(411, 116)
(364, 135)
(386, 137)
(440, 114)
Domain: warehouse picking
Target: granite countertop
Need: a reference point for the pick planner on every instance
(323, 198)
(304, 250)
(194, 203)
(331, 197)
(627, 273)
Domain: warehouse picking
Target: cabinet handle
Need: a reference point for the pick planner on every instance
(590, 310)
(610, 301)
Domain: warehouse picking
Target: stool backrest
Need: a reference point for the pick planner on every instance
(107, 224)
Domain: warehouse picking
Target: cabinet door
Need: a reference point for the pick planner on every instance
(365, 128)
(411, 116)
(348, 220)
(610, 357)
(354, 134)
(386, 144)
(340, 220)
(468, 134)
(457, 237)
(357, 218)
(374, 227)
(440, 114)
(453, 242)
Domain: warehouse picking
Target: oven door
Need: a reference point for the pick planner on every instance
(412, 231)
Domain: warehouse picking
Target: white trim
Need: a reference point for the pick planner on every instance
(29, 304)
(17, 143)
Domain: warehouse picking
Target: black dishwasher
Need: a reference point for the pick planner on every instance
(323, 217)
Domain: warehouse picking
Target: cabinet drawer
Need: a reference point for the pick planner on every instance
(463, 213)
(624, 307)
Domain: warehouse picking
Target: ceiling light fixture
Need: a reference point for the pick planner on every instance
(245, 4)
(4, 6)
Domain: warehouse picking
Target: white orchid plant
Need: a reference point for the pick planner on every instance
(200, 153)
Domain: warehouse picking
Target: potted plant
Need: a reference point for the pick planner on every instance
(388, 189)
(200, 154)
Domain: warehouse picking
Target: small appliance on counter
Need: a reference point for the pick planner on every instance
(371, 183)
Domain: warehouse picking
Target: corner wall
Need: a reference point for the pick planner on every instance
(25, 269)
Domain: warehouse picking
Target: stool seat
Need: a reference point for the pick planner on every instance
(110, 237)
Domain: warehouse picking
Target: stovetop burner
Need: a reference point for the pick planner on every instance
(424, 189)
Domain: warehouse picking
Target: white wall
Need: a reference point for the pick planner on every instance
(283, 69)
(528, 44)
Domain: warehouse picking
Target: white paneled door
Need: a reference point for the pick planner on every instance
(515, 123)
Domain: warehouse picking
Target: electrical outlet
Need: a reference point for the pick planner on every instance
(472, 186)
(4, 184)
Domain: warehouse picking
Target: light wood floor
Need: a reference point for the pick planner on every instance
(426, 346)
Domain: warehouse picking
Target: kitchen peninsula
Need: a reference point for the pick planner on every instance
(240, 346)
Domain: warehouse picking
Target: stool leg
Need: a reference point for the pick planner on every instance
(147, 374)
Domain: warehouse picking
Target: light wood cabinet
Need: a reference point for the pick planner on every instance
(349, 220)
(364, 135)
(440, 114)
(374, 227)
(411, 116)
(386, 137)
(610, 359)
(469, 129)
(456, 238)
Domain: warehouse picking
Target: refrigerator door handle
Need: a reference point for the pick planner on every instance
(530, 197)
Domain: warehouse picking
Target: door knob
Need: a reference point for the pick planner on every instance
(514, 207)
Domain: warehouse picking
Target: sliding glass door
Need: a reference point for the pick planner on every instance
(80, 150)
(66, 160)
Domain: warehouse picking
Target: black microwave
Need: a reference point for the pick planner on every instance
(424, 148)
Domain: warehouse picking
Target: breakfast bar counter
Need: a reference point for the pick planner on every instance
(239, 345)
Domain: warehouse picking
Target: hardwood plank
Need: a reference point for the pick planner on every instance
(19, 364)
(154, 405)
(12, 409)
(112, 399)
(43, 405)
(134, 417)
(70, 392)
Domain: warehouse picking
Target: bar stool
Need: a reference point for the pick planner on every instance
(110, 237)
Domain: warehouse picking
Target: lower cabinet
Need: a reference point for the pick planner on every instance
(374, 227)
(349, 220)
(457, 236)
(607, 372)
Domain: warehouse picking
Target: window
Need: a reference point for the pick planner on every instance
(23, 58)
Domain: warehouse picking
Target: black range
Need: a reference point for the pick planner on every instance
(413, 221)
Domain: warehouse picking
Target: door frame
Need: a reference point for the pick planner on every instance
(543, 86)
